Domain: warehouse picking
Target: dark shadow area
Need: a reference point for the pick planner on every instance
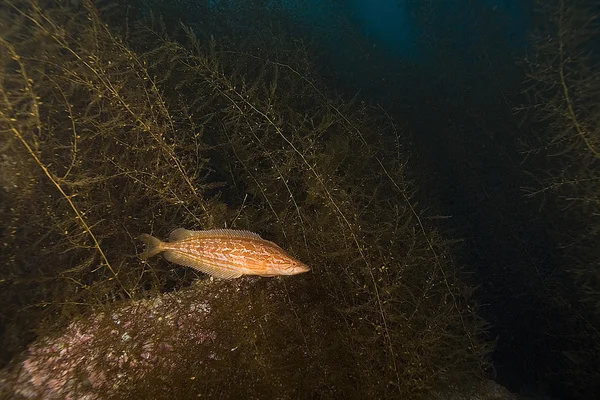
(461, 105)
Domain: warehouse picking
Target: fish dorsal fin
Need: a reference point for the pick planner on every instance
(183, 259)
(182, 234)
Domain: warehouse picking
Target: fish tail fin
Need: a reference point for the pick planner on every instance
(153, 246)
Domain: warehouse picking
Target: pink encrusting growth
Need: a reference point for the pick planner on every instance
(96, 356)
(224, 253)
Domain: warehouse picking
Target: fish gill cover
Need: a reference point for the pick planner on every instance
(146, 124)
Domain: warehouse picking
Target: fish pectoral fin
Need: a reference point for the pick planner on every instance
(217, 272)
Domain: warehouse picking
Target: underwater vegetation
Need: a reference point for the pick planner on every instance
(117, 121)
(563, 163)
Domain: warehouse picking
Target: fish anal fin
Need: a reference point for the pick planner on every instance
(217, 272)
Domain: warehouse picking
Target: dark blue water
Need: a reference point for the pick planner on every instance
(452, 73)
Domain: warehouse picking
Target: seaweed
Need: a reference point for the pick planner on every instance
(562, 158)
(125, 127)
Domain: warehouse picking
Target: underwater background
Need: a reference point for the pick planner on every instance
(436, 164)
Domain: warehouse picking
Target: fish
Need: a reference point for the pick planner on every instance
(223, 253)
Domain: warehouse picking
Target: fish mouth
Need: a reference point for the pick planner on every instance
(301, 269)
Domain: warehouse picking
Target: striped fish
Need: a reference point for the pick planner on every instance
(224, 253)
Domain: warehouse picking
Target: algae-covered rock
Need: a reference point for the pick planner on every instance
(237, 338)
